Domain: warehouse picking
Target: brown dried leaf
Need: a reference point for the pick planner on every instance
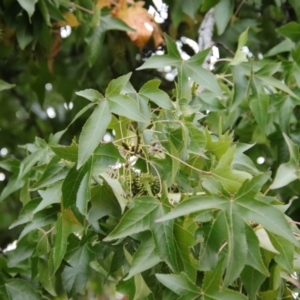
(137, 17)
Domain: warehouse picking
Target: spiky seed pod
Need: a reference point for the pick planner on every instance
(142, 184)
(150, 183)
(133, 184)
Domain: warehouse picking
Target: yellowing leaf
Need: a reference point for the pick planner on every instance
(71, 20)
(103, 3)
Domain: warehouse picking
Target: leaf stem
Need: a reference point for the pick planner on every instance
(223, 59)
(226, 80)
(184, 163)
(238, 10)
(82, 8)
(267, 190)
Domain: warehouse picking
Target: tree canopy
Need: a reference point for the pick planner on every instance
(149, 149)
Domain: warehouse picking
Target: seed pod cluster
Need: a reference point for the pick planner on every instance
(142, 184)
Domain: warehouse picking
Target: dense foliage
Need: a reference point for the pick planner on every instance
(149, 187)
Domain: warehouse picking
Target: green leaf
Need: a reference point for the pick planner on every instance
(30, 161)
(218, 148)
(222, 14)
(72, 183)
(254, 257)
(83, 193)
(163, 237)
(237, 246)
(197, 142)
(192, 67)
(125, 106)
(230, 179)
(202, 77)
(95, 43)
(115, 87)
(5, 86)
(240, 55)
(215, 234)
(194, 204)
(19, 289)
(290, 30)
(286, 250)
(252, 280)
(184, 238)
(213, 279)
(285, 46)
(28, 6)
(26, 213)
(43, 245)
(293, 150)
(264, 241)
(44, 10)
(136, 288)
(242, 162)
(267, 215)
(268, 80)
(287, 172)
(225, 294)
(66, 152)
(63, 229)
(137, 219)
(157, 61)
(107, 155)
(53, 173)
(179, 284)
(13, 185)
(251, 187)
(90, 94)
(76, 274)
(93, 131)
(151, 91)
(144, 258)
(46, 277)
(40, 219)
(104, 203)
(49, 196)
(259, 105)
(117, 189)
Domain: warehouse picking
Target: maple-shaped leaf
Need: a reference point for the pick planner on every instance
(238, 211)
(141, 217)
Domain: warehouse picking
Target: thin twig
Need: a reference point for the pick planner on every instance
(267, 190)
(124, 138)
(225, 47)
(184, 163)
(238, 9)
(82, 8)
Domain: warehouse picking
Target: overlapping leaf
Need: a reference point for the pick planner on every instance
(193, 66)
